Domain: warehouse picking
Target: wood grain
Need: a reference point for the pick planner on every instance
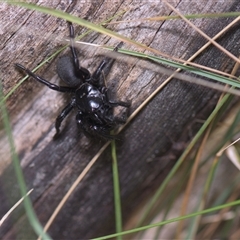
(147, 148)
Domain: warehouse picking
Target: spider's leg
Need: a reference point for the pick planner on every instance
(80, 72)
(113, 103)
(45, 82)
(115, 120)
(90, 128)
(63, 114)
(103, 69)
(84, 123)
(119, 103)
(99, 71)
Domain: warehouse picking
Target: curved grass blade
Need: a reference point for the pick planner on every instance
(206, 211)
(23, 189)
(74, 19)
(116, 187)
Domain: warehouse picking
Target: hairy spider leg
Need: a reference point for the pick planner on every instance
(63, 114)
(81, 72)
(44, 81)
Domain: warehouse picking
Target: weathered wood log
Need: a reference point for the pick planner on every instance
(148, 146)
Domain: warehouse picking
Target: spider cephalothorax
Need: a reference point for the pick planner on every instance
(90, 95)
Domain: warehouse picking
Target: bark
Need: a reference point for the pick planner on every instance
(147, 148)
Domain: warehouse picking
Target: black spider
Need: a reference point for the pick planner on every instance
(94, 108)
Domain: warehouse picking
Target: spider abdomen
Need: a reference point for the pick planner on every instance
(66, 71)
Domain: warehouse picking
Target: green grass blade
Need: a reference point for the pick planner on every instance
(182, 158)
(23, 189)
(117, 195)
(191, 69)
(194, 224)
(74, 19)
(206, 211)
